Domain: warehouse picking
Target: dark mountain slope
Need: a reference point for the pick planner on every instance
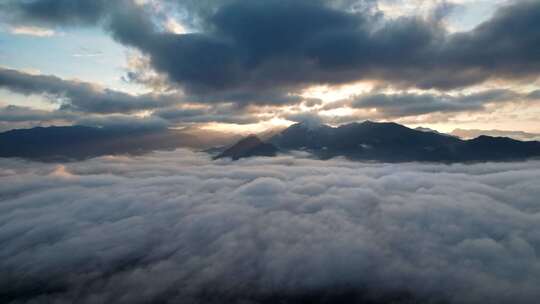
(80, 142)
(371, 141)
(497, 149)
(394, 142)
(248, 147)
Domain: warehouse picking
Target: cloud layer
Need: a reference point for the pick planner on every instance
(244, 47)
(176, 227)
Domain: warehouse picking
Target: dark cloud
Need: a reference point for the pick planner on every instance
(54, 12)
(248, 46)
(211, 114)
(13, 113)
(26, 117)
(79, 96)
(442, 9)
(74, 96)
(502, 45)
(410, 104)
(17, 117)
(276, 44)
(176, 227)
(124, 122)
(244, 98)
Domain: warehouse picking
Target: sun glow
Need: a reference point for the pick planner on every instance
(329, 93)
(246, 129)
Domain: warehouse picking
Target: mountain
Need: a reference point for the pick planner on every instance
(81, 142)
(248, 147)
(368, 141)
(393, 142)
(519, 135)
(489, 148)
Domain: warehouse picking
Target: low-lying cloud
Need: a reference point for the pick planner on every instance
(175, 227)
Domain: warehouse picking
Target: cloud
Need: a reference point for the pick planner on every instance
(83, 97)
(310, 119)
(79, 96)
(124, 122)
(535, 95)
(54, 12)
(25, 117)
(85, 52)
(17, 117)
(84, 102)
(412, 104)
(224, 114)
(177, 227)
(13, 113)
(245, 47)
(32, 31)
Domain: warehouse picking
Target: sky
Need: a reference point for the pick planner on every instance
(248, 66)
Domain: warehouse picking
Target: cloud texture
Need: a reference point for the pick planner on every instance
(175, 227)
(79, 96)
(247, 47)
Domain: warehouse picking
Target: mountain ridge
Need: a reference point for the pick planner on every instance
(364, 141)
(67, 143)
(248, 147)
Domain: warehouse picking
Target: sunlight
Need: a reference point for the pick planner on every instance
(329, 93)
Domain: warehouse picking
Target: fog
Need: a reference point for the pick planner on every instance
(176, 227)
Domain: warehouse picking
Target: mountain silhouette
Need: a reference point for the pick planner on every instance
(81, 142)
(366, 141)
(248, 147)
(392, 142)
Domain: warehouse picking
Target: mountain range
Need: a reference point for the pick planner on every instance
(81, 142)
(391, 142)
(366, 141)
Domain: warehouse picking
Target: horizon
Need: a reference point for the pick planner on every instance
(464, 134)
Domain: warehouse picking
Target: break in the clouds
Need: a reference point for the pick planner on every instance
(175, 227)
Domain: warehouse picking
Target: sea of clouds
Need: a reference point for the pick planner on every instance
(176, 227)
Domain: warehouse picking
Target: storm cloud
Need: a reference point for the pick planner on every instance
(250, 45)
(245, 47)
(177, 227)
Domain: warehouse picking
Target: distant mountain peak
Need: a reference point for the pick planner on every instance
(250, 140)
(372, 141)
(248, 147)
(309, 125)
(389, 141)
